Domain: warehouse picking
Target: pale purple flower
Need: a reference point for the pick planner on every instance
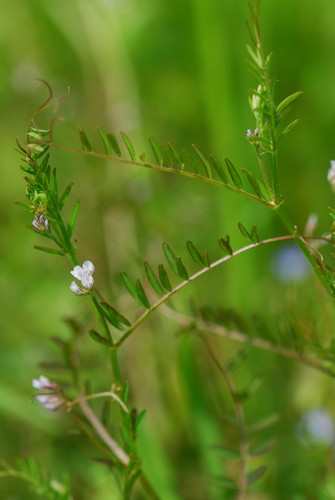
(84, 274)
(53, 398)
(331, 175)
(50, 401)
(40, 223)
(44, 384)
(249, 133)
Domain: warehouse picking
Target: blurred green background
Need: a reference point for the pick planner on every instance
(176, 70)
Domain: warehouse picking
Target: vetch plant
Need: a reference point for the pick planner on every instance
(243, 442)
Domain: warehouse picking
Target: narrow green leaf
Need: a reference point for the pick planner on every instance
(219, 169)
(35, 135)
(225, 246)
(40, 131)
(129, 145)
(49, 250)
(29, 169)
(290, 126)
(181, 269)
(129, 285)
(226, 452)
(140, 419)
(153, 279)
(73, 218)
(204, 161)
(105, 141)
(235, 176)
(254, 182)
(262, 447)
(244, 232)
(254, 234)
(177, 157)
(142, 297)
(114, 143)
(263, 424)
(113, 316)
(287, 101)
(194, 253)
(164, 279)
(225, 482)
(125, 392)
(65, 195)
(254, 56)
(170, 257)
(35, 148)
(84, 140)
(156, 150)
(100, 339)
(256, 474)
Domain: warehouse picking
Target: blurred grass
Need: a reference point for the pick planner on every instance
(176, 70)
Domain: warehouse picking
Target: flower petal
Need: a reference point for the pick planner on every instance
(76, 289)
(88, 267)
(87, 281)
(77, 272)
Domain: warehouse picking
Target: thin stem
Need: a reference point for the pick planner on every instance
(104, 435)
(169, 170)
(112, 395)
(179, 287)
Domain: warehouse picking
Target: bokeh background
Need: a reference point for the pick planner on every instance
(176, 70)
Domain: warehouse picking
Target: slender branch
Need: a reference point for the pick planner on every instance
(179, 287)
(98, 395)
(103, 433)
(169, 170)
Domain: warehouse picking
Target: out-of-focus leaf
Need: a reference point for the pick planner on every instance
(52, 251)
(73, 218)
(100, 339)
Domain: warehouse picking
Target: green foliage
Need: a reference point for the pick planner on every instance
(40, 482)
(246, 434)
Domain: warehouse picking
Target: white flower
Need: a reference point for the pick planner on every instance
(53, 399)
(84, 274)
(331, 175)
(50, 401)
(77, 290)
(44, 384)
